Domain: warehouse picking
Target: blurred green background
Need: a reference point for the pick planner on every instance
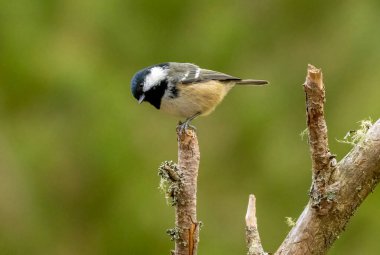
(79, 156)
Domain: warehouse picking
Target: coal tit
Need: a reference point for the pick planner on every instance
(184, 89)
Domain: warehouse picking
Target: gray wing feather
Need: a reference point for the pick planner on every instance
(189, 73)
(201, 75)
(214, 75)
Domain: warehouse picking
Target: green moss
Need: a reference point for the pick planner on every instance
(330, 196)
(290, 221)
(354, 137)
(170, 181)
(174, 233)
(304, 133)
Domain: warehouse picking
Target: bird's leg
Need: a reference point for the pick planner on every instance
(185, 125)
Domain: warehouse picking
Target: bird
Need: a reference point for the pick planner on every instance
(184, 89)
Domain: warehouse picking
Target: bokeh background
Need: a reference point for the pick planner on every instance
(79, 156)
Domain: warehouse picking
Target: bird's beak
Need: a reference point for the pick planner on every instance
(141, 99)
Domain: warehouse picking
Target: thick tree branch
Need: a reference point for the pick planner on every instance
(337, 190)
(186, 211)
(356, 176)
(251, 231)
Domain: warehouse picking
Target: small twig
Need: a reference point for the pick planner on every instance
(251, 231)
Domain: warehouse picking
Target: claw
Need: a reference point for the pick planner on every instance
(183, 126)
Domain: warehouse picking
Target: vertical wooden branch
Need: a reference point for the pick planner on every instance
(186, 210)
(322, 161)
(251, 231)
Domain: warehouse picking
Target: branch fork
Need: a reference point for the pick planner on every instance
(337, 189)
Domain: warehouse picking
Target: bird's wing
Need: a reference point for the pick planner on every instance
(200, 75)
(193, 74)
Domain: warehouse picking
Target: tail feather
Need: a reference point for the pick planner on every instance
(252, 82)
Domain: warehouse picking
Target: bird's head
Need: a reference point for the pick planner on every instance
(149, 84)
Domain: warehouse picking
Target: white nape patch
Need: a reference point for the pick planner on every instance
(157, 74)
(186, 75)
(197, 73)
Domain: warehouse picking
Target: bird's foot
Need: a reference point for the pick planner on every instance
(183, 126)
(186, 125)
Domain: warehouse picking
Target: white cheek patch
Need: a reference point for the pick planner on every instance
(157, 74)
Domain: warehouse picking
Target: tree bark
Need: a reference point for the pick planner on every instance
(186, 207)
(322, 161)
